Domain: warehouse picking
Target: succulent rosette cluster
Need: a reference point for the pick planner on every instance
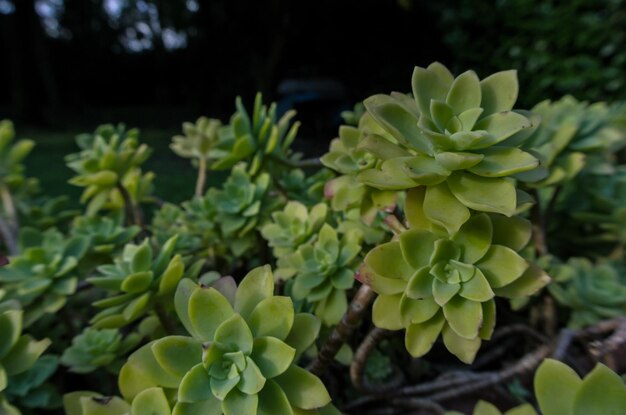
(239, 359)
(201, 140)
(139, 280)
(431, 282)
(45, 273)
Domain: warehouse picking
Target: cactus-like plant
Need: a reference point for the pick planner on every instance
(240, 358)
(591, 292)
(108, 159)
(140, 281)
(45, 273)
(432, 284)
(95, 348)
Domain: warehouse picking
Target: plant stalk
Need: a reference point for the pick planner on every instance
(201, 177)
(346, 326)
(132, 213)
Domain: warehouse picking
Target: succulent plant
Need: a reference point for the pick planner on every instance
(323, 270)
(106, 234)
(44, 213)
(171, 220)
(602, 391)
(253, 137)
(140, 281)
(18, 352)
(45, 272)
(95, 348)
(241, 205)
(238, 360)
(433, 284)
(108, 158)
(307, 189)
(570, 133)
(593, 292)
(295, 225)
(200, 141)
(352, 117)
(459, 137)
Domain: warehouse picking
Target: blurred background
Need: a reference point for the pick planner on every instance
(68, 65)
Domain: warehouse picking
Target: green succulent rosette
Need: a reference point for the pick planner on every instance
(255, 137)
(95, 348)
(323, 271)
(592, 292)
(240, 358)
(574, 135)
(241, 206)
(293, 226)
(45, 212)
(140, 281)
(45, 273)
(33, 388)
(307, 189)
(201, 140)
(458, 136)
(106, 234)
(432, 284)
(18, 352)
(108, 158)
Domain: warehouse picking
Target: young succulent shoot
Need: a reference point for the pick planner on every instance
(239, 357)
(108, 161)
(200, 143)
(140, 282)
(95, 348)
(253, 138)
(431, 283)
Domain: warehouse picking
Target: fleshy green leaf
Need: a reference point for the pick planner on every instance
(195, 386)
(444, 209)
(303, 389)
(273, 401)
(464, 316)
(238, 403)
(272, 317)
(419, 338)
(208, 309)
(602, 392)
(234, 335)
(151, 402)
(256, 286)
(484, 194)
(556, 379)
(177, 354)
(272, 356)
(499, 91)
(464, 349)
(502, 265)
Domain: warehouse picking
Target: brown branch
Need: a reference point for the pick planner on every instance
(420, 404)
(346, 326)
(132, 212)
(9, 208)
(357, 368)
